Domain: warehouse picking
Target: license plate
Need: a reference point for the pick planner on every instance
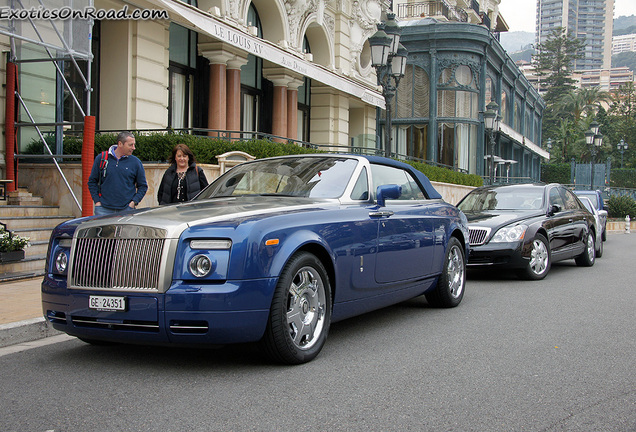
(103, 303)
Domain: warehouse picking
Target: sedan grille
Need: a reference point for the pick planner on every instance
(109, 262)
(478, 235)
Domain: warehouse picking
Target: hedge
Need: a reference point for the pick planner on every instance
(157, 147)
(623, 178)
(556, 173)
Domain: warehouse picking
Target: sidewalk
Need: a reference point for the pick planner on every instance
(21, 317)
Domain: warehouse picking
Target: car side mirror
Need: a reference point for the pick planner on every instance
(555, 208)
(390, 191)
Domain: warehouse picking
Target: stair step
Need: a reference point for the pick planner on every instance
(37, 248)
(14, 276)
(35, 234)
(28, 264)
(20, 222)
(26, 210)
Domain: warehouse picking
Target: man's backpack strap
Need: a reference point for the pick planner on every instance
(103, 163)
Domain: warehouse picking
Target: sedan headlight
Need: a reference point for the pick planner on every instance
(61, 254)
(61, 261)
(200, 265)
(510, 234)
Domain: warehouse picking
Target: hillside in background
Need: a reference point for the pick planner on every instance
(517, 41)
(624, 25)
(625, 59)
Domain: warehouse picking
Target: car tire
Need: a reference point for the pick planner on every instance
(540, 260)
(300, 314)
(587, 258)
(449, 290)
(599, 251)
(604, 234)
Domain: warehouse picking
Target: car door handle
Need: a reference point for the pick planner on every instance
(385, 213)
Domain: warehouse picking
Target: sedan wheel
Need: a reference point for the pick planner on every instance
(587, 258)
(449, 290)
(301, 311)
(540, 262)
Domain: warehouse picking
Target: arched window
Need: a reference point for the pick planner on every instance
(252, 80)
(304, 101)
(413, 93)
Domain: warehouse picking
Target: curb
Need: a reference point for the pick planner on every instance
(25, 331)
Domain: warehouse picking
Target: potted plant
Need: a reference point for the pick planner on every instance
(12, 246)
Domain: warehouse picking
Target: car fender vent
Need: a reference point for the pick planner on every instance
(130, 325)
(189, 327)
(56, 317)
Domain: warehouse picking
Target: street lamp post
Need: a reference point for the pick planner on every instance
(388, 57)
(491, 123)
(548, 145)
(594, 140)
(622, 146)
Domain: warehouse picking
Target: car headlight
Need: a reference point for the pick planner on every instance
(61, 255)
(509, 234)
(200, 265)
(61, 261)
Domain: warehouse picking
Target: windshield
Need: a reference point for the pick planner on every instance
(588, 204)
(592, 197)
(505, 198)
(315, 177)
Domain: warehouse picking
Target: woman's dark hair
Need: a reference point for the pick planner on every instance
(186, 150)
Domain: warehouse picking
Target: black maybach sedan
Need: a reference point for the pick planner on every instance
(527, 227)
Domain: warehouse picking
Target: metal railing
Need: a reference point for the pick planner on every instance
(432, 8)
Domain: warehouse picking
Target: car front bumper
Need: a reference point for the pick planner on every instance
(186, 314)
(510, 255)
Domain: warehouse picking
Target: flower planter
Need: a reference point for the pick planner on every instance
(11, 256)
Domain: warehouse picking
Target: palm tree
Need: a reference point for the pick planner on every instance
(582, 102)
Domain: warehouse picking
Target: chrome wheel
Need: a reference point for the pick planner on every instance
(300, 314)
(455, 272)
(306, 308)
(449, 290)
(591, 249)
(539, 260)
(587, 258)
(539, 257)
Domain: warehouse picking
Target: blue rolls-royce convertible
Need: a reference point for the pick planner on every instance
(274, 251)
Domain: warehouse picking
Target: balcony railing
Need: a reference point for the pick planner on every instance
(431, 9)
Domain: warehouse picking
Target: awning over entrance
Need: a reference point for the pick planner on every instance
(201, 21)
(523, 141)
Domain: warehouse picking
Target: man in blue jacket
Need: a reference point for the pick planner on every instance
(118, 180)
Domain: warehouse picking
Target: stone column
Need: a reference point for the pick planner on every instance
(233, 93)
(292, 109)
(219, 56)
(282, 78)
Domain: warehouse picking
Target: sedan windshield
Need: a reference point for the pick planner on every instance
(316, 177)
(505, 198)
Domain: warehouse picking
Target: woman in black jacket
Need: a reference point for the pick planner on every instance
(183, 179)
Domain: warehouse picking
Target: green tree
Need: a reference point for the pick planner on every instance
(553, 65)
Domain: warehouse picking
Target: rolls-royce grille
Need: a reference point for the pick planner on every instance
(478, 235)
(117, 263)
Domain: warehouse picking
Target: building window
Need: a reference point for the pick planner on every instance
(304, 102)
(413, 94)
(252, 80)
(183, 52)
(503, 109)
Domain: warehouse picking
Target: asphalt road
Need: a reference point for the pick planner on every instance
(554, 355)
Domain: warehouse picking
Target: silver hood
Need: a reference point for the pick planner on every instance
(175, 218)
